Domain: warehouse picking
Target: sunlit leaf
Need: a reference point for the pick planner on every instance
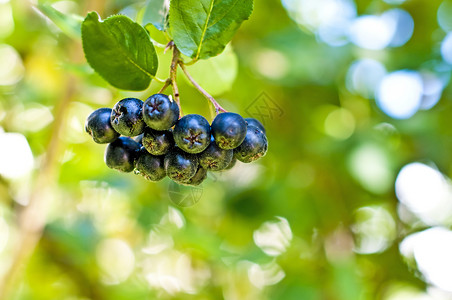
(120, 51)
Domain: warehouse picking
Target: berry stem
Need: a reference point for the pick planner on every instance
(167, 84)
(173, 72)
(217, 106)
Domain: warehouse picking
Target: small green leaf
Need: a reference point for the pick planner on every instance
(156, 13)
(119, 50)
(202, 28)
(68, 23)
(216, 75)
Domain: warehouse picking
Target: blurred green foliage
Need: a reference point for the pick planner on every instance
(316, 218)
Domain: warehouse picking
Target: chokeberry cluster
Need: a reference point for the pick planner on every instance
(149, 138)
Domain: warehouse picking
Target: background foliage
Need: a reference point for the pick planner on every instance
(352, 200)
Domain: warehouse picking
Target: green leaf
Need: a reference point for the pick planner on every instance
(156, 13)
(119, 50)
(216, 75)
(68, 23)
(202, 28)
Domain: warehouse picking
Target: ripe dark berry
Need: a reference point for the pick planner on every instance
(99, 127)
(192, 133)
(200, 176)
(229, 130)
(159, 112)
(126, 117)
(180, 166)
(150, 166)
(157, 142)
(231, 164)
(214, 158)
(121, 154)
(253, 147)
(255, 122)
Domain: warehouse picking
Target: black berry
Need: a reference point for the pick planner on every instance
(150, 166)
(159, 112)
(214, 158)
(99, 127)
(229, 130)
(255, 122)
(192, 133)
(200, 176)
(121, 154)
(253, 147)
(231, 164)
(180, 166)
(157, 142)
(126, 117)
(139, 139)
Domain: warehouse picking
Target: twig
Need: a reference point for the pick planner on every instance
(173, 73)
(167, 84)
(217, 106)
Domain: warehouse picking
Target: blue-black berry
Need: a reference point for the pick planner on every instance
(126, 117)
(157, 142)
(253, 147)
(255, 122)
(192, 133)
(159, 112)
(121, 154)
(150, 166)
(229, 130)
(99, 127)
(180, 166)
(198, 178)
(214, 158)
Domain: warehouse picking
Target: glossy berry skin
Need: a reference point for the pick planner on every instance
(157, 142)
(180, 166)
(214, 158)
(192, 133)
(200, 176)
(159, 112)
(253, 147)
(126, 117)
(99, 127)
(229, 130)
(150, 166)
(231, 164)
(139, 139)
(121, 154)
(256, 123)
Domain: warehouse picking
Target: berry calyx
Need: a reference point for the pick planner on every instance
(126, 117)
(192, 133)
(253, 147)
(180, 166)
(149, 166)
(121, 154)
(157, 142)
(159, 112)
(214, 158)
(229, 130)
(99, 127)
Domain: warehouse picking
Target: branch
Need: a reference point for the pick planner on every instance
(218, 107)
(173, 73)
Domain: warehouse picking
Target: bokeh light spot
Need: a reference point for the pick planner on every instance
(116, 259)
(16, 158)
(443, 15)
(399, 94)
(372, 32)
(273, 237)
(340, 124)
(374, 229)
(425, 192)
(446, 48)
(12, 69)
(364, 75)
(431, 250)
